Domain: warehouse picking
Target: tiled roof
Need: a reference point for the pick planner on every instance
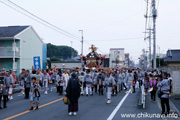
(172, 56)
(11, 31)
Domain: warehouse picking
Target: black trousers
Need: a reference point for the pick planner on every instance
(140, 83)
(57, 89)
(170, 89)
(165, 101)
(153, 95)
(5, 98)
(60, 90)
(114, 91)
(27, 92)
(134, 88)
(95, 87)
(100, 89)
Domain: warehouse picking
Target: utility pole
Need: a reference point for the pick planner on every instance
(71, 50)
(154, 15)
(81, 47)
(149, 47)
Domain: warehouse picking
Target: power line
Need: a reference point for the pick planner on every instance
(45, 23)
(54, 27)
(146, 16)
(118, 39)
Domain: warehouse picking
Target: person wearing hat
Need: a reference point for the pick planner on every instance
(109, 83)
(34, 93)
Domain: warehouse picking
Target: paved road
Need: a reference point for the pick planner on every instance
(90, 108)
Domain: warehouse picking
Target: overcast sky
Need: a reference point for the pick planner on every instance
(106, 23)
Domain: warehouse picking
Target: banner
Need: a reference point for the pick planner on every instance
(37, 64)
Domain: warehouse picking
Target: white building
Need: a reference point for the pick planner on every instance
(18, 46)
(117, 57)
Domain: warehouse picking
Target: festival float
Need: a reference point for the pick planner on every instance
(93, 59)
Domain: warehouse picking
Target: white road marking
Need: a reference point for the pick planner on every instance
(119, 105)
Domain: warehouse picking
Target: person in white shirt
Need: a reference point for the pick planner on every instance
(45, 78)
(88, 82)
(66, 79)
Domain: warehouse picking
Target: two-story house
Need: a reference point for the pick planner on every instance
(18, 46)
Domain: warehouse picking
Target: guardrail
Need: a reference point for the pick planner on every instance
(142, 98)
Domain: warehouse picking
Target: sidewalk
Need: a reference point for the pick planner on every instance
(175, 101)
(174, 107)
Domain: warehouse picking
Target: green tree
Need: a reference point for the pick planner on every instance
(63, 52)
(55, 59)
(159, 62)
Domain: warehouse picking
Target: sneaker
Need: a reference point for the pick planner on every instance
(109, 101)
(11, 97)
(87, 95)
(70, 113)
(51, 90)
(23, 93)
(74, 113)
(45, 93)
(126, 92)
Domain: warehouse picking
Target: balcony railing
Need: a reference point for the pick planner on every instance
(6, 52)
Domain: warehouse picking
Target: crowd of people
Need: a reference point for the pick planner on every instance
(75, 82)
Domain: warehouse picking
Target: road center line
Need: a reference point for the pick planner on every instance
(117, 107)
(22, 113)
